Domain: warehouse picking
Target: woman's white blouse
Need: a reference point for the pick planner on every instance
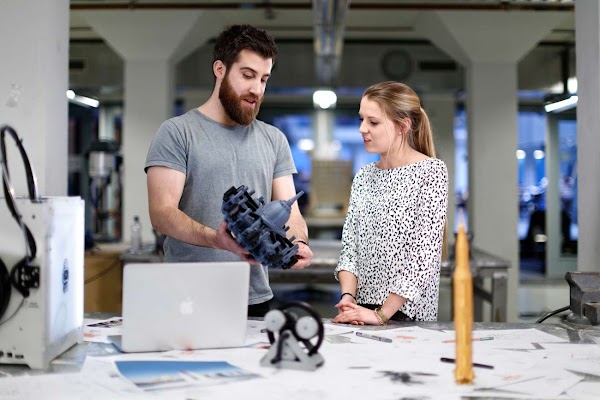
(393, 235)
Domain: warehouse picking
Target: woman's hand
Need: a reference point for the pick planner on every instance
(351, 313)
(344, 302)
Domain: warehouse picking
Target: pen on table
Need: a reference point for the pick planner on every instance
(479, 339)
(452, 361)
(367, 336)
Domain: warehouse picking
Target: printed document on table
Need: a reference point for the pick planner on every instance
(95, 330)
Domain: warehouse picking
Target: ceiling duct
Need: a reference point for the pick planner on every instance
(328, 18)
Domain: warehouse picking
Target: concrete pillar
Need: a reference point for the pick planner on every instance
(492, 144)
(34, 38)
(587, 22)
(323, 126)
(489, 45)
(151, 43)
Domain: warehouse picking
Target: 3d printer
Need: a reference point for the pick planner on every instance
(41, 270)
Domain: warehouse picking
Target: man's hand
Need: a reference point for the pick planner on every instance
(225, 241)
(304, 256)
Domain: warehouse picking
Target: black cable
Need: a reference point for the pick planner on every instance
(31, 248)
(5, 288)
(31, 179)
(15, 313)
(551, 313)
(103, 272)
(17, 276)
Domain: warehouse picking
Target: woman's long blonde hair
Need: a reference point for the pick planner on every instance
(398, 101)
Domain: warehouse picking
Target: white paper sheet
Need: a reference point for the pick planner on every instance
(63, 387)
(585, 391)
(583, 358)
(98, 330)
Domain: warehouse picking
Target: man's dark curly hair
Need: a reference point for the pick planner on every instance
(232, 41)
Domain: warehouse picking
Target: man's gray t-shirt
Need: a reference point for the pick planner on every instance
(214, 158)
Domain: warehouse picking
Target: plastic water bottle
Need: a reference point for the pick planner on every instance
(136, 235)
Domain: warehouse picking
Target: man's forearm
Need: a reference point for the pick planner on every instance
(298, 228)
(176, 224)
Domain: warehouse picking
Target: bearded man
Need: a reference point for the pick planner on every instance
(196, 157)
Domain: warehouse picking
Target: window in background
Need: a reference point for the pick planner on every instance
(567, 139)
(461, 167)
(533, 183)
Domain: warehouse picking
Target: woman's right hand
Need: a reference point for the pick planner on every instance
(354, 314)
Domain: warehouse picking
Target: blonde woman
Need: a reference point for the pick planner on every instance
(392, 240)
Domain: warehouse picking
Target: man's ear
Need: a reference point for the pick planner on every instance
(219, 69)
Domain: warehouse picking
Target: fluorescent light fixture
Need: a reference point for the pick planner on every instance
(562, 105)
(521, 154)
(324, 99)
(82, 100)
(306, 144)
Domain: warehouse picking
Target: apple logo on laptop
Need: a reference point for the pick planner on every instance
(186, 307)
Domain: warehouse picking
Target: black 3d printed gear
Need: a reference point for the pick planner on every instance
(259, 228)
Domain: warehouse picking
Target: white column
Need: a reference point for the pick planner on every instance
(148, 102)
(34, 39)
(587, 20)
(323, 125)
(492, 126)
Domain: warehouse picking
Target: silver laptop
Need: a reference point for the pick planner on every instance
(184, 306)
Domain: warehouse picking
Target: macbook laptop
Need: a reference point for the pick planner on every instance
(184, 306)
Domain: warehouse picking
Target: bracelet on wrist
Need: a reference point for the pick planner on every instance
(301, 241)
(383, 319)
(349, 294)
(379, 320)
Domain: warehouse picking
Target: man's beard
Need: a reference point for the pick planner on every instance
(232, 103)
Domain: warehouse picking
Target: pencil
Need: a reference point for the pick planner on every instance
(452, 361)
(374, 337)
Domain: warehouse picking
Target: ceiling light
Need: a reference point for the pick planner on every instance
(324, 99)
(306, 144)
(561, 105)
(82, 100)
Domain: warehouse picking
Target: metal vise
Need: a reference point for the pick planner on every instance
(584, 297)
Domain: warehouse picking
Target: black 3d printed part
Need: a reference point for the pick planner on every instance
(261, 228)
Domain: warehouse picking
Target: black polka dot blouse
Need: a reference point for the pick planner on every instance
(393, 233)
